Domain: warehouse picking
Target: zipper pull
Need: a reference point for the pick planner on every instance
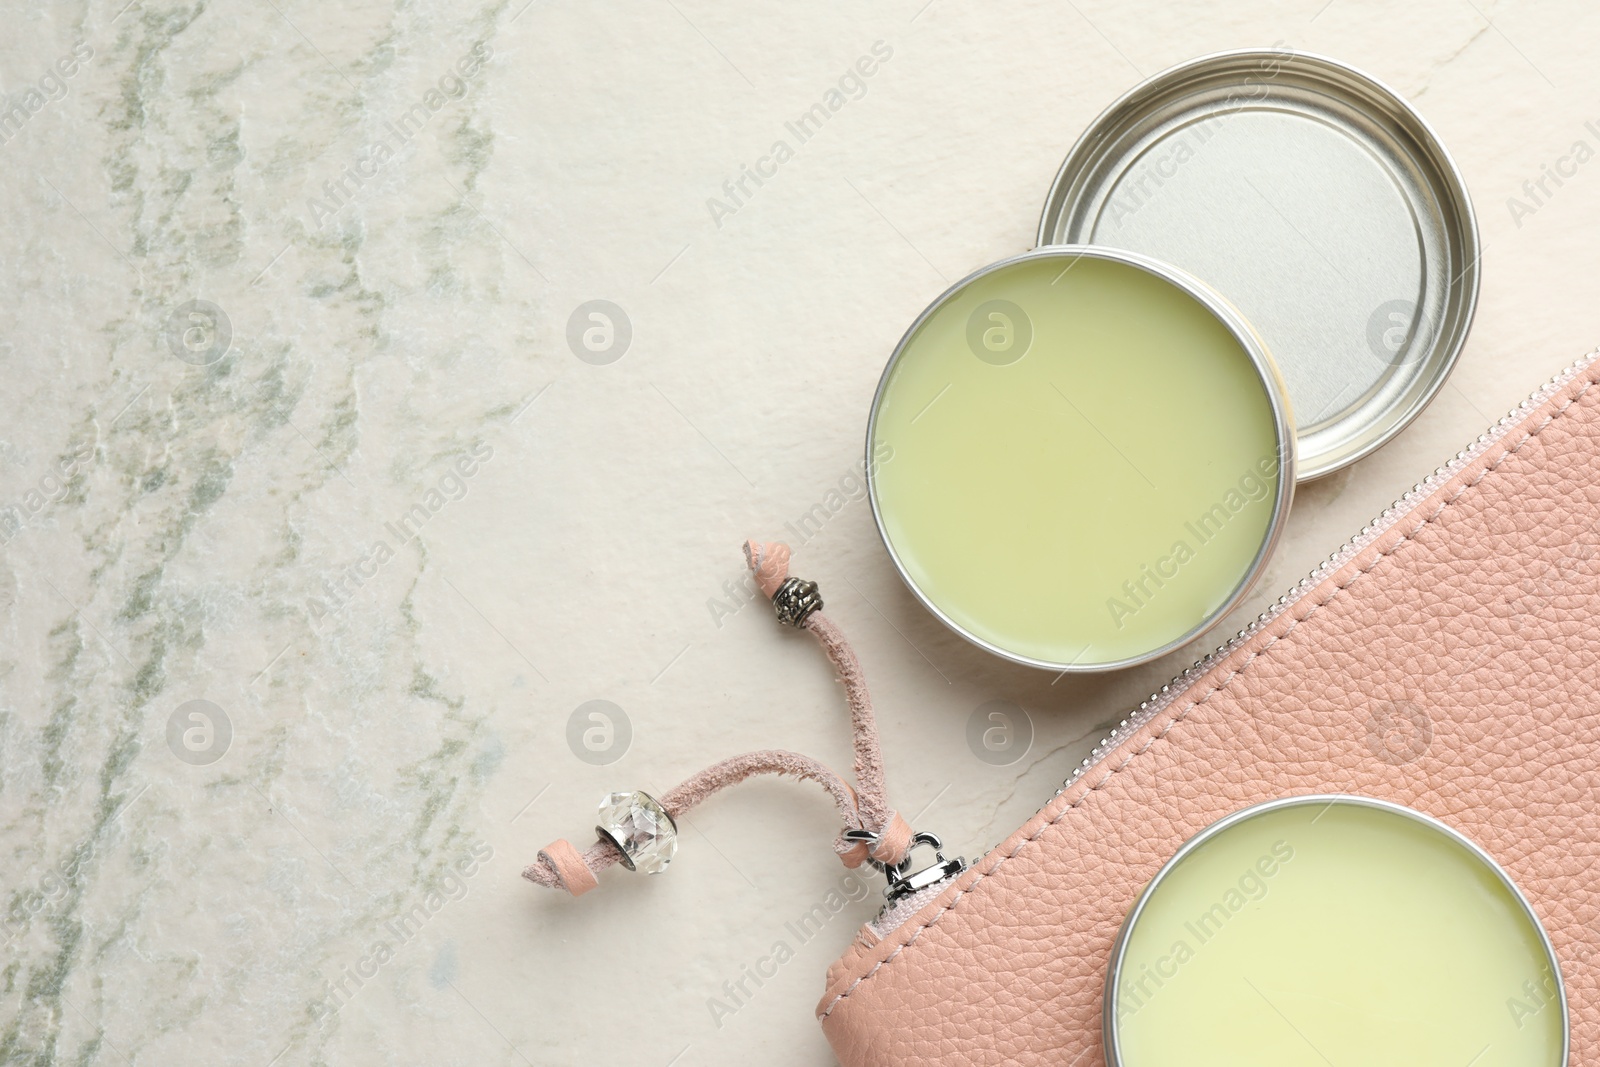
(903, 883)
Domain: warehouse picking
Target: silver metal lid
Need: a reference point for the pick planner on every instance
(1316, 201)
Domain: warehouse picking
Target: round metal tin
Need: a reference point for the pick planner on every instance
(1111, 1003)
(1318, 202)
(1283, 422)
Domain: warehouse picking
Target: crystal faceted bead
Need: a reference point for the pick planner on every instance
(641, 829)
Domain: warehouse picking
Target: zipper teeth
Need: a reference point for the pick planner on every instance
(1164, 696)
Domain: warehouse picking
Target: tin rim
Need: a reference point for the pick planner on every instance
(1448, 189)
(1119, 949)
(1260, 359)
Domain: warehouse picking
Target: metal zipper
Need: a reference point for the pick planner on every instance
(1164, 696)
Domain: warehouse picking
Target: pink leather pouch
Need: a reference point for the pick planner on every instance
(1447, 658)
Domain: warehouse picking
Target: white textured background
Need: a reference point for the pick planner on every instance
(204, 909)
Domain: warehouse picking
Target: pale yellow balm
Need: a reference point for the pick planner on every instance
(1334, 931)
(1084, 458)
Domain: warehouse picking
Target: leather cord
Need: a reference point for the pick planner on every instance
(864, 807)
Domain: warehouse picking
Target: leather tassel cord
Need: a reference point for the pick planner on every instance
(864, 807)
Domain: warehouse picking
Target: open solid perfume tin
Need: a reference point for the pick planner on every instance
(1254, 269)
(1332, 929)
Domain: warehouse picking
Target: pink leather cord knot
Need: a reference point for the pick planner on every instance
(769, 562)
(864, 807)
(570, 870)
(557, 868)
(893, 842)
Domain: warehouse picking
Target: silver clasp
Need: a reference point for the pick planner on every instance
(902, 883)
(870, 839)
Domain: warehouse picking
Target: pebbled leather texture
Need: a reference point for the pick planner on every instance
(1451, 665)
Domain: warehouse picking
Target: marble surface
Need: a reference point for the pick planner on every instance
(394, 535)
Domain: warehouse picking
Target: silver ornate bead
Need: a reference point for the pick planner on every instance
(641, 829)
(795, 600)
